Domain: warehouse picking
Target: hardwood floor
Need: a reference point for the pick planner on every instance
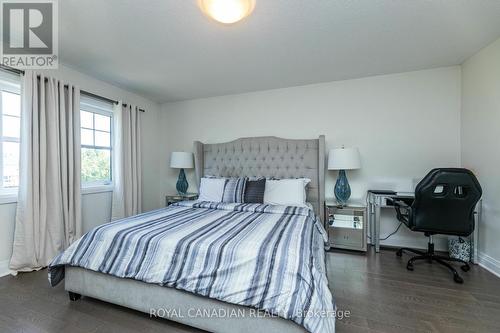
(381, 295)
(384, 297)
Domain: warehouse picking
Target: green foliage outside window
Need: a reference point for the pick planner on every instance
(96, 165)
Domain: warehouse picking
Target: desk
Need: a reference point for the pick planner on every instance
(376, 202)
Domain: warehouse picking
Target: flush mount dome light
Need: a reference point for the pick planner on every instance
(227, 11)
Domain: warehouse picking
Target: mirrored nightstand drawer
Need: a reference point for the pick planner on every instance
(346, 227)
(170, 199)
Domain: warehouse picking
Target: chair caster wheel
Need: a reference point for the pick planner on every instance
(409, 266)
(399, 253)
(465, 268)
(458, 279)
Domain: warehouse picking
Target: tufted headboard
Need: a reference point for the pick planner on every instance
(267, 157)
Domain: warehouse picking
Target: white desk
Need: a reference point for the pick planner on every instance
(376, 202)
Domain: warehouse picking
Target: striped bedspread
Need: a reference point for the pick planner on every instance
(263, 256)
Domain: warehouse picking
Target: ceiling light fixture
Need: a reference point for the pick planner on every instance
(227, 11)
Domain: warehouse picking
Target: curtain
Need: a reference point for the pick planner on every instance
(48, 216)
(127, 173)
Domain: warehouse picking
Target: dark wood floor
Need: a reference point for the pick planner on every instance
(380, 293)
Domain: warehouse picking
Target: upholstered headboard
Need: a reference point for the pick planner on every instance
(267, 157)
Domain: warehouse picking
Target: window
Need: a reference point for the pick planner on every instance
(10, 132)
(96, 121)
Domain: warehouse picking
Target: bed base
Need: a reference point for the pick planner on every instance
(173, 304)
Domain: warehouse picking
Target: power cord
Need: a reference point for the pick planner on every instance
(388, 236)
(392, 233)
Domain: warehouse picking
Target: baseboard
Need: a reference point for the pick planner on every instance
(489, 263)
(4, 268)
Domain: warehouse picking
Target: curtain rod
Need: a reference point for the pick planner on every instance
(109, 100)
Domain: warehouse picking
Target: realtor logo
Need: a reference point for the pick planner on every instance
(29, 34)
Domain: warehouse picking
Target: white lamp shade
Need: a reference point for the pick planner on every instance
(344, 159)
(181, 160)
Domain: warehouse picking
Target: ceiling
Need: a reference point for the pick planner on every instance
(167, 50)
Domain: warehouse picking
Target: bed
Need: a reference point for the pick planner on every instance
(227, 307)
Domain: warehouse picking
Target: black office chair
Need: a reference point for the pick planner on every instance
(444, 204)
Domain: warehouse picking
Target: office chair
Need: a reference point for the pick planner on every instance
(444, 204)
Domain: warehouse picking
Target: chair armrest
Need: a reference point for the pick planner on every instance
(403, 211)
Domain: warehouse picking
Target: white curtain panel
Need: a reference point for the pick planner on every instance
(48, 216)
(127, 171)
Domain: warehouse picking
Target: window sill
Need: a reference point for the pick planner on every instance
(97, 189)
(9, 198)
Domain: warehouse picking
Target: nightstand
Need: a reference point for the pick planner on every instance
(346, 226)
(170, 199)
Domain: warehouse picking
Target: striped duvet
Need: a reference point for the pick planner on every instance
(262, 256)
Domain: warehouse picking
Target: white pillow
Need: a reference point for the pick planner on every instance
(212, 189)
(286, 192)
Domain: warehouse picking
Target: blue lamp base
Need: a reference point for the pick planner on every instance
(342, 189)
(182, 183)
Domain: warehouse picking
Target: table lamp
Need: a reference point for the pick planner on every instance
(343, 159)
(181, 160)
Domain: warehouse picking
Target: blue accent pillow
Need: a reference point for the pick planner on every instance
(254, 191)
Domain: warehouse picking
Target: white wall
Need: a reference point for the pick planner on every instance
(481, 143)
(404, 125)
(96, 208)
